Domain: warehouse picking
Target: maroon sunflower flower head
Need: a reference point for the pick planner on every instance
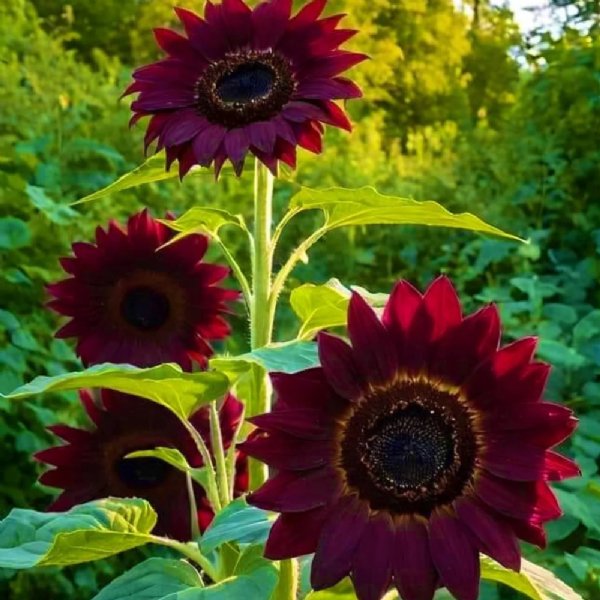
(411, 451)
(132, 301)
(243, 80)
(92, 464)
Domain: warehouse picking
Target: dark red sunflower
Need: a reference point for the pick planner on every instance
(404, 456)
(245, 80)
(92, 464)
(131, 302)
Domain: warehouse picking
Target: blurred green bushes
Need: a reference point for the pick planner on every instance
(460, 108)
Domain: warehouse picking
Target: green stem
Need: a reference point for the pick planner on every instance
(211, 487)
(237, 271)
(260, 327)
(288, 581)
(216, 440)
(262, 314)
(189, 550)
(288, 267)
(231, 456)
(195, 529)
(261, 322)
(289, 215)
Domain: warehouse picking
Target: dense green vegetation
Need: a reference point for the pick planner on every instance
(460, 107)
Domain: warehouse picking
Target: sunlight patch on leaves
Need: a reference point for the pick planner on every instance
(318, 307)
(166, 384)
(324, 306)
(247, 379)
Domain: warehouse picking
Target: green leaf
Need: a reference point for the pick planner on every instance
(57, 213)
(167, 579)
(23, 339)
(167, 385)
(258, 585)
(366, 206)
(587, 328)
(85, 533)
(154, 579)
(237, 522)
(549, 586)
(247, 379)
(561, 528)
(493, 571)
(574, 505)
(323, 306)
(14, 233)
(171, 456)
(561, 313)
(533, 581)
(375, 299)
(319, 307)
(8, 320)
(287, 357)
(203, 219)
(559, 354)
(151, 170)
(250, 559)
(579, 566)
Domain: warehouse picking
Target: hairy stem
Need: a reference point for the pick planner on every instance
(211, 487)
(237, 272)
(261, 322)
(261, 329)
(288, 267)
(262, 315)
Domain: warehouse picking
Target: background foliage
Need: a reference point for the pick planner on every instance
(460, 107)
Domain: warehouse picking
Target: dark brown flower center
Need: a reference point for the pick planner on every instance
(246, 83)
(408, 448)
(145, 308)
(143, 472)
(245, 87)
